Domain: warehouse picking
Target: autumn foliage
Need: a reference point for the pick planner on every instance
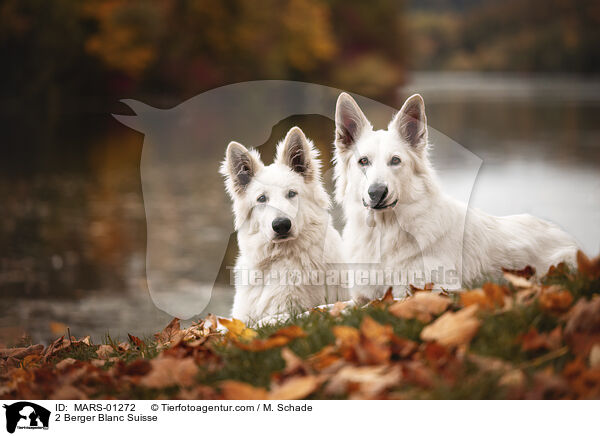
(521, 338)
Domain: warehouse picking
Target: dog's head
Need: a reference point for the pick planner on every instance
(275, 203)
(380, 169)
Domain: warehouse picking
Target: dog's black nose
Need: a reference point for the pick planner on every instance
(378, 192)
(282, 226)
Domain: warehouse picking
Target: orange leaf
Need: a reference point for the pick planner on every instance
(532, 340)
(422, 306)
(295, 388)
(236, 329)
(236, 390)
(136, 341)
(453, 329)
(587, 267)
(278, 339)
(554, 299)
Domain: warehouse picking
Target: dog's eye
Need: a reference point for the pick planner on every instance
(363, 161)
(262, 199)
(395, 161)
(291, 193)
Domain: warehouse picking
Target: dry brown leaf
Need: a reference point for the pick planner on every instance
(236, 390)
(278, 339)
(554, 299)
(422, 306)
(595, 356)
(20, 353)
(453, 328)
(170, 371)
(325, 360)
(475, 296)
(588, 267)
(337, 308)
(171, 333)
(68, 392)
(513, 379)
(295, 388)
(363, 382)
(292, 362)
(518, 282)
(582, 330)
(104, 351)
(532, 340)
(65, 363)
(136, 341)
(427, 288)
(236, 329)
(527, 296)
(346, 336)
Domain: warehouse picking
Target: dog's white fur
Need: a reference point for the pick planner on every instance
(313, 245)
(425, 229)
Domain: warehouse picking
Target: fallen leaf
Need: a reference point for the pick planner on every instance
(532, 340)
(295, 388)
(582, 330)
(337, 308)
(236, 390)
(170, 371)
(65, 363)
(104, 351)
(475, 296)
(136, 341)
(512, 379)
(527, 296)
(453, 328)
(555, 299)
(20, 353)
(388, 297)
(346, 336)
(278, 339)
(68, 392)
(422, 306)
(236, 329)
(587, 267)
(427, 288)
(293, 363)
(375, 342)
(364, 382)
(518, 282)
(170, 333)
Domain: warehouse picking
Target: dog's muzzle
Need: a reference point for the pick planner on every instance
(281, 227)
(380, 206)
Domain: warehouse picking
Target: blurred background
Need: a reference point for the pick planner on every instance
(514, 82)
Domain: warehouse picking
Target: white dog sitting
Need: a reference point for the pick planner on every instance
(285, 234)
(398, 219)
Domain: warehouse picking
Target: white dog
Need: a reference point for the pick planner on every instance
(285, 234)
(398, 217)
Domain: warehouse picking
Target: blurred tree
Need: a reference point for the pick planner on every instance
(507, 35)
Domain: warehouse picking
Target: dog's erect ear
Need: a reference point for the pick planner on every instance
(239, 167)
(411, 121)
(297, 152)
(350, 122)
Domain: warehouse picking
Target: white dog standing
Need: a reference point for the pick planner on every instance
(398, 217)
(285, 234)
